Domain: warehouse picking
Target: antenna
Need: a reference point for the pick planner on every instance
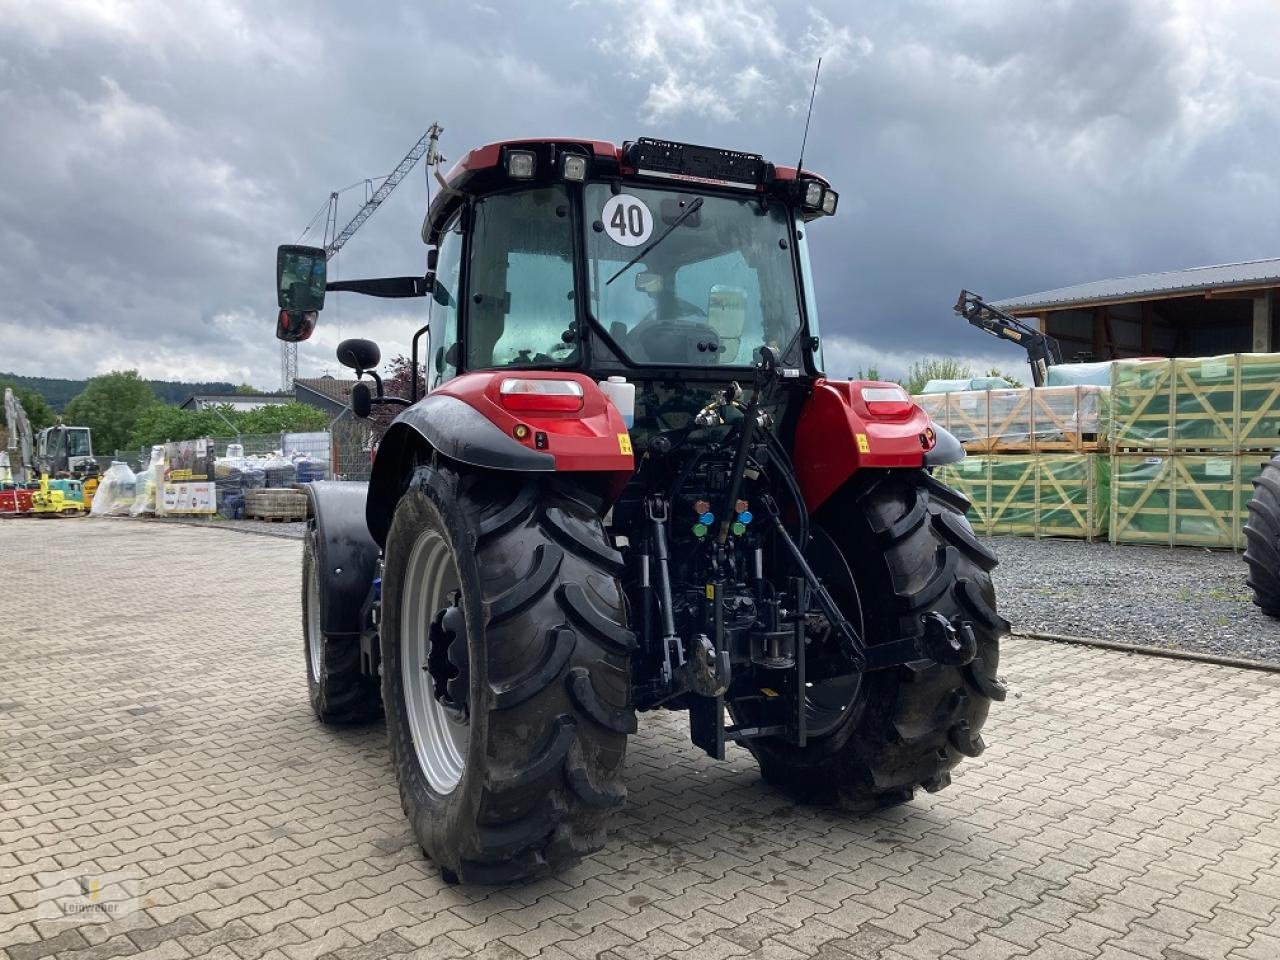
(808, 117)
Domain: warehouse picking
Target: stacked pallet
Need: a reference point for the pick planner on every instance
(1166, 455)
(279, 505)
(1187, 438)
(1033, 495)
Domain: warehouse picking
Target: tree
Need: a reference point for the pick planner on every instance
(39, 413)
(395, 384)
(1013, 381)
(936, 368)
(247, 390)
(110, 406)
(161, 423)
(290, 417)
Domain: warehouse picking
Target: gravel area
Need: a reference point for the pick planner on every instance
(1182, 598)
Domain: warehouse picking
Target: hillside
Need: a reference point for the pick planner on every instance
(58, 393)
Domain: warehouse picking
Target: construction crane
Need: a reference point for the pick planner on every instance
(335, 239)
(1043, 351)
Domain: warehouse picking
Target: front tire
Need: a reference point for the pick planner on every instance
(506, 672)
(1262, 539)
(909, 550)
(339, 690)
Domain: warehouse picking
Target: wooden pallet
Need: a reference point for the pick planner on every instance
(1224, 404)
(1039, 419)
(1179, 499)
(282, 505)
(1032, 495)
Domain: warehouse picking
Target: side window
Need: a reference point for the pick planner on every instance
(444, 307)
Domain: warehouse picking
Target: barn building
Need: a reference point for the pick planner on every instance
(1201, 311)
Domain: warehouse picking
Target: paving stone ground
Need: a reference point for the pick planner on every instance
(153, 719)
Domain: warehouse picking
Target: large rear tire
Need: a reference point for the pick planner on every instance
(339, 691)
(909, 549)
(506, 672)
(1262, 539)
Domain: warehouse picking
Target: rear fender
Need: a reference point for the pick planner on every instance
(839, 434)
(346, 556)
(465, 421)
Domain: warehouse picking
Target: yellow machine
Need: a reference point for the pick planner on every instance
(47, 502)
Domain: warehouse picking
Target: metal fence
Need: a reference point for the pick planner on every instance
(342, 452)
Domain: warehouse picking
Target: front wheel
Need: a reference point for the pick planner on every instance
(1262, 540)
(340, 692)
(891, 549)
(506, 672)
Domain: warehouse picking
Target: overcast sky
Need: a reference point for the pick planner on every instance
(153, 153)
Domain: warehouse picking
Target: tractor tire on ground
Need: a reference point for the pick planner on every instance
(910, 550)
(506, 672)
(340, 692)
(1262, 539)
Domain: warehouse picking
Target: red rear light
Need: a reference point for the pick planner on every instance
(889, 403)
(541, 396)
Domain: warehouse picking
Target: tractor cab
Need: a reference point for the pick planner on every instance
(656, 261)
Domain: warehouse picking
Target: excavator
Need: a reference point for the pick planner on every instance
(1043, 351)
(55, 474)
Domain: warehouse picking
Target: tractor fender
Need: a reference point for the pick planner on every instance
(840, 433)
(346, 556)
(946, 448)
(465, 421)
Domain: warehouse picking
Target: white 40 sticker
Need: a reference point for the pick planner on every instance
(627, 220)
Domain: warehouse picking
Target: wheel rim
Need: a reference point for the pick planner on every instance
(314, 643)
(828, 702)
(439, 738)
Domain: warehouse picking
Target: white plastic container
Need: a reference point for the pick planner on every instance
(623, 396)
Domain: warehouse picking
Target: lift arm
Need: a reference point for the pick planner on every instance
(1043, 351)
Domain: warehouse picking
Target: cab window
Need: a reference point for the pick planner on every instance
(520, 308)
(444, 303)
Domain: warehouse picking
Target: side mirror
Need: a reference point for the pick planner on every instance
(359, 355)
(300, 278)
(295, 325)
(361, 400)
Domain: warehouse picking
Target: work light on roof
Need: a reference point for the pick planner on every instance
(574, 167)
(811, 194)
(521, 164)
(829, 201)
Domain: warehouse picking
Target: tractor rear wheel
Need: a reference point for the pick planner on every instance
(506, 671)
(893, 549)
(339, 691)
(1262, 539)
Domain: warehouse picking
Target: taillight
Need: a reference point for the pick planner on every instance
(541, 396)
(889, 402)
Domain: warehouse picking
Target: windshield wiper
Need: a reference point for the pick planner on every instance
(693, 208)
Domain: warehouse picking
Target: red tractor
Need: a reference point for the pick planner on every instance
(630, 487)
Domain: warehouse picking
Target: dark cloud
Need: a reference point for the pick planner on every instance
(155, 153)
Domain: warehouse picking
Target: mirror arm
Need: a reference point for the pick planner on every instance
(413, 363)
(387, 287)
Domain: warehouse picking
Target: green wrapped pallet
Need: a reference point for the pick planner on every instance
(1178, 500)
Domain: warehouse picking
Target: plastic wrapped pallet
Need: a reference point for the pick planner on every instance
(1079, 375)
(1022, 420)
(1032, 495)
(116, 492)
(1226, 403)
(1177, 500)
(1259, 418)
